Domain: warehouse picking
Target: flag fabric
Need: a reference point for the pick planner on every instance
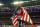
(14, 20)
(24, 17)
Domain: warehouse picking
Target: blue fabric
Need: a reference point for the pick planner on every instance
(19, 26)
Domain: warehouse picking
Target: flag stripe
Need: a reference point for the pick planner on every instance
(15, 19)
(26, 17)
(15, 23)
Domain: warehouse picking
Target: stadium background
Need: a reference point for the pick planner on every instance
(7, 9)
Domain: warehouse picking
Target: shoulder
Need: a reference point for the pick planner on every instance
(22, 8)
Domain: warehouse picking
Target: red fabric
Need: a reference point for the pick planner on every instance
(15, 20)
(20, 14)
(25, 16)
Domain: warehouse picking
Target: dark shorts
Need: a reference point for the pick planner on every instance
(21, 22)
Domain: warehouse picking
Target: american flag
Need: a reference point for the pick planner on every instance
(24, 17)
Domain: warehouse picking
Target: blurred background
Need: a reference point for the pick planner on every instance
(7, 8)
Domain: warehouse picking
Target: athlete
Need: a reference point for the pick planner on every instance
(19, 13)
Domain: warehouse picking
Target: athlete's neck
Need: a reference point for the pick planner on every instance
(19, 8)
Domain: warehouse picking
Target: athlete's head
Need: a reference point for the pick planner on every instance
(19, 5)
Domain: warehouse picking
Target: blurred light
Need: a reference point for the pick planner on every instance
(34, 0)
(27, 1)
(1, 4)
(17, 2)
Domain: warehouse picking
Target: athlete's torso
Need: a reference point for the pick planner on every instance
(19, 13)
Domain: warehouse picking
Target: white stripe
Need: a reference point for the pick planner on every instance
(14, 20)
(25, 17)
(15, 23)
(30, 21)
(28, 18)
(24, 11)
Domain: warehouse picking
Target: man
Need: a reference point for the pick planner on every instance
(19, 13)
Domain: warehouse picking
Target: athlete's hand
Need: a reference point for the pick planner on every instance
(11, 18)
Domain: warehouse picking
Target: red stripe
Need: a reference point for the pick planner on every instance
(31, 25)
(14, 18)
(15, 21)
(29, 18)
(23, 14)
(26, 17)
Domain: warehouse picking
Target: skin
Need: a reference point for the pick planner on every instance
(19, 6)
